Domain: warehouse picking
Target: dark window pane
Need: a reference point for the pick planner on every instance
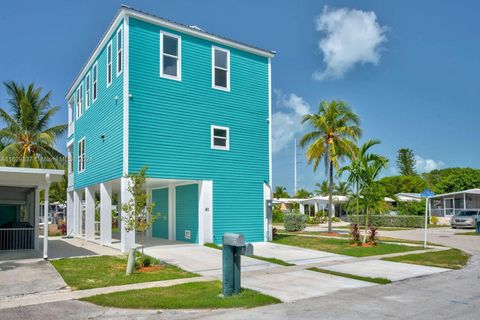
(220, 142)
(219, 133)
(170, 66)
(220, 78)
(220, 59)
(170, 45)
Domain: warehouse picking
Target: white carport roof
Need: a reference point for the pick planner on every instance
(28, 177)
(469, 191)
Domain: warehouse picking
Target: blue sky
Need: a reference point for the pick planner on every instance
(410, 69)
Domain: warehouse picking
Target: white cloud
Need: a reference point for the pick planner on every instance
(427, 165)
(351, 37)
(287, 121)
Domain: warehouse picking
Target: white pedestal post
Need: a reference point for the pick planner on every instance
(106, 213)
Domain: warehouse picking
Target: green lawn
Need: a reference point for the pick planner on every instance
(271, 260)
(194, 295)
(352, 276)
(105, 271)
(469, 233)
(341, 246)
(451, 259)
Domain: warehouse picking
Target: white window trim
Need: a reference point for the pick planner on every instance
(88, 92)
(212, 144)
(94, 81)
(119, 62)
(80, 158)
(213, 69)
(110, 65)
(179, 58)
(79, 101)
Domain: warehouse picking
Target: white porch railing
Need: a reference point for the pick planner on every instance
(17, 238)
(448, 212)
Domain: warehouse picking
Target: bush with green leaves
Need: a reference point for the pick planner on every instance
(434, 220)
(277, 214)
(294, 222)
(313, 220)
(411, 207)
(391, 221)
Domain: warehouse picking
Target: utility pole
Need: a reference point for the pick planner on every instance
(295, 166)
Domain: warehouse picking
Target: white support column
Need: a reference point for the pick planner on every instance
(77, 211)
(89, 213)
(37, 214)
(106, 213)
(205, 227)
(70, 214)
(127, 238)
(171, 213)
(45, 217)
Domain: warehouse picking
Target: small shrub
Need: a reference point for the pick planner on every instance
(434, 220)
(336, 219)
(355, 233)
(372, 233)
(313, 220)
(63, 229)
(277, 214)
(294, 222)
(321, 214)
(274, 232)
(145, 261)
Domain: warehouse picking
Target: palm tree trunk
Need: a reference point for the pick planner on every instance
(366, 227)
(358, 215)
(330, 198)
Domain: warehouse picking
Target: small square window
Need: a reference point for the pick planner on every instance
(220, 138)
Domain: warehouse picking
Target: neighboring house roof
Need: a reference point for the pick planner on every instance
(192, 30)
(468, 191)
(28, 177)
(406, 197)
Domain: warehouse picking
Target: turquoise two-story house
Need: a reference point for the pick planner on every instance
(193, 107)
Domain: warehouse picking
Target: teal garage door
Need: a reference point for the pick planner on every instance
(186, 215)
(160, 226)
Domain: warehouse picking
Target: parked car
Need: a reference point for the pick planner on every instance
(464, 219)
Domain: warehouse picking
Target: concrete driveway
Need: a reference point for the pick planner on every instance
(27, 276)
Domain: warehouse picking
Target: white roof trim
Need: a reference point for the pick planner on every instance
(32, 171)
(164, 23)
(469, 191)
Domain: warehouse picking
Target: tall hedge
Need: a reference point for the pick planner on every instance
(391, 221)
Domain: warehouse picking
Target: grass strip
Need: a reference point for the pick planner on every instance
(193, 295)
(450, 259)
(352, 276)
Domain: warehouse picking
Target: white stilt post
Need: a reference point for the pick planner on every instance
(45, 217)
(77, 209)
(127, 237)
(106, 213)
(70, 214)
(37, 214)
(89, 213)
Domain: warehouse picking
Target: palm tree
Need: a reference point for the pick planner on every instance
(335, 127)
(302, 194)
(280, 192)
(29, 141)
(364, 169)
(342, 188)
(322, 188)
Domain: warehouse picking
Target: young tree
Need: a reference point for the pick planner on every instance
(137, 210)
(406, 162)
(335, 127)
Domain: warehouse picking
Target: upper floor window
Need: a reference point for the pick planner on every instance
(79, 110)
(87, 91)
(109, 64)
(119, 51)
(220, 138)
(95, 82)
(170, 56)
(81, 155)
(220, 68)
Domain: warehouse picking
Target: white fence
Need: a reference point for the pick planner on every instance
(17, 238)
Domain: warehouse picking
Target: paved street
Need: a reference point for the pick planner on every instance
(447, 295)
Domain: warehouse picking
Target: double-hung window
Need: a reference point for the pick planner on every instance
(109, 64)
(170, 56)
(220, 68)
(87, 91)
(95, 82)
(220, 138)
(81, 155)
(119, 51)
(79, 95)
